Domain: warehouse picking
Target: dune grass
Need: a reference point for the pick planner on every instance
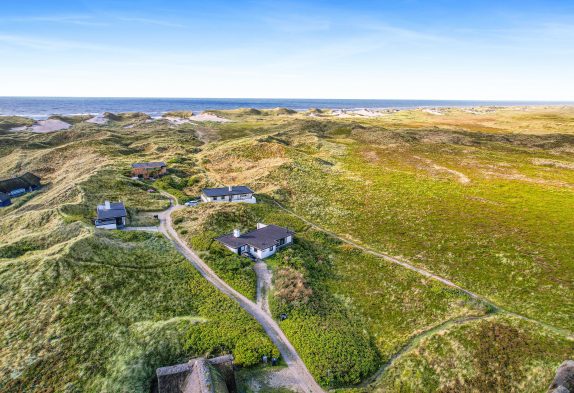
(112, 308)
(482, 234)
(361, 310)
(499, 354)
(87, 310)
(480, 198)
(489, 211)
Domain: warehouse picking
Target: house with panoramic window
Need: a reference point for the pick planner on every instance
(260, 243)
(111, 215)
(146, 170)
(228, 194)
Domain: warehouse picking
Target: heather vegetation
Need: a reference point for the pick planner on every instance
(491, 355)
(88, 310)
(342, 336)
(481, 197)
(9, 122)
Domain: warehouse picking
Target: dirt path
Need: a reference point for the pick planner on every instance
(414, 341)
(263, 285)
(461, 177)
(426, 273)
(288, 352)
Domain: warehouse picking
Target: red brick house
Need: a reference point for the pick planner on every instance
(145, 170)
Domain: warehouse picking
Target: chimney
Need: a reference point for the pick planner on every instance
(230, 188)
(107, 205)
(236, 233)
(261, 225)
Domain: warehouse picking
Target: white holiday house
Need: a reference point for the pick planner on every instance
(228, 194)
(260, 243)
(111, 215)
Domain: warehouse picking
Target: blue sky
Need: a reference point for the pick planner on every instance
(516, 50)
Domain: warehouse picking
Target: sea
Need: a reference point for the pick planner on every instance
(43, 107)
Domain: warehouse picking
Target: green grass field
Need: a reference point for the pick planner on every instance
(86, 310)
(337, 322)
(483, 199)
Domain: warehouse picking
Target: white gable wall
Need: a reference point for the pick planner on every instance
(107, 226)
(245, 198)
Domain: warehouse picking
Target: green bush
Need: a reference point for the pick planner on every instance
(202, 241)
(346, 354)
(234, 269)
(251, 348)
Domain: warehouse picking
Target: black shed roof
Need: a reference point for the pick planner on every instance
(25, 181)
(224, 191)
(261, 238)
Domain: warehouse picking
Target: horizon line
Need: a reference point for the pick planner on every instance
(293, 98)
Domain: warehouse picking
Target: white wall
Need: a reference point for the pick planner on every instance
(107, 226)
(261, 254)
(235, 198)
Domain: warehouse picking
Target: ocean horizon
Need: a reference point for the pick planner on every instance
(43, 107)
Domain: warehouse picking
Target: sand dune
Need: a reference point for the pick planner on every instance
(201, 117)
(98, 119)
(43, 126)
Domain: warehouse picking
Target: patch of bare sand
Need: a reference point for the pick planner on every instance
(344, 113)
(202, 117)
(553, 163)
(524, 178)
(276, 379)
(434, 112)
(98, 119)
(210, 117)
(45, 126)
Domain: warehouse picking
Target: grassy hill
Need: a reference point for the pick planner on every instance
(479, 196)
(86, 310)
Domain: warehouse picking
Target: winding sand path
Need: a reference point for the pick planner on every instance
(296, 366)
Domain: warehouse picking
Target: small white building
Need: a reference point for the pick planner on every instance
(260, 243)
(228, 194)
(111, 215)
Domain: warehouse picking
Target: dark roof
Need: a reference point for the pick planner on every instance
(117, 209)
(4, 197)
(259, 238)
(25, 181)
(149, 165)
(223, 191)
(31, 178)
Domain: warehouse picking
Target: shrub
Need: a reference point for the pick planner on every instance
(234, 269)
(202, 241)
(251, 348)
(291, 287)
(347, 354)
